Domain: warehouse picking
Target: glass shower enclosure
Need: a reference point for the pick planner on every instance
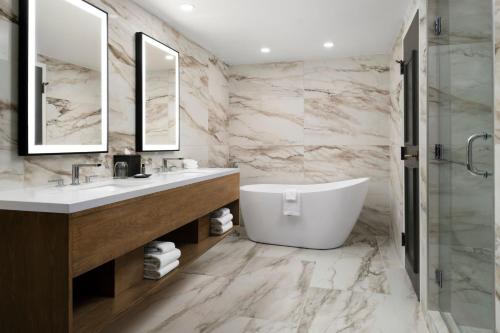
(461, 163)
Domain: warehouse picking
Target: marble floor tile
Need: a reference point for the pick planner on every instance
(347, 311)
(185, 306)
(227, 259)
(271, 288)
(356, 269)
(287, 252)
(252, 325)
(242, 286)
(388, 251)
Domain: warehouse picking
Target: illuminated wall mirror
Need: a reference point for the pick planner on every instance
(157, 90)
(63, 77)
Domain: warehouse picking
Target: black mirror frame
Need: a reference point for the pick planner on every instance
(139, 86)
(23, 74)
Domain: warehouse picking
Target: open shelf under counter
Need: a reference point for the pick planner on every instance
(93, 314)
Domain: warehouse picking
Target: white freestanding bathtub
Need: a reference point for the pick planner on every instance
(328, 213)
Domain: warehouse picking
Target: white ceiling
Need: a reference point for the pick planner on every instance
(235, 30)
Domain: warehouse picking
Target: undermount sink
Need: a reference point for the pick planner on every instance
(103, 187)
(188, 172)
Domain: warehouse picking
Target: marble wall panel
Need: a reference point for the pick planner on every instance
(160, 106)
(346, 101)
(73, 103)
(204, 98)
(218, 112)
(267, 104)
(269, 164)
(11, 166)
(284, 79)
(314, 122)
(269, 121)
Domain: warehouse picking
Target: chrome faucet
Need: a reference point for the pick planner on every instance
(75, 172)
(165, 167)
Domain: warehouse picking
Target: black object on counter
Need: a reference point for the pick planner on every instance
(133, 162)
(142, 175)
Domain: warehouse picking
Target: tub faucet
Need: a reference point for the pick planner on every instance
(75, 172)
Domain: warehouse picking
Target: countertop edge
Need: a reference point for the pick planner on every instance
(71, 208)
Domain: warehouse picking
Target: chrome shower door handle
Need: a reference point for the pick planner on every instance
(469, 162)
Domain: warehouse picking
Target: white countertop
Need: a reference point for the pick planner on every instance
(72, 199)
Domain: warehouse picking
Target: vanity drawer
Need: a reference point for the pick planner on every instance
(105, 233)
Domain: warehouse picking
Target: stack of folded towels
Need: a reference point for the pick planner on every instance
(190, 164)
(160, 258)
(221, 221)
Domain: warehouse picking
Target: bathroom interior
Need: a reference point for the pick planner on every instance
(249, 166)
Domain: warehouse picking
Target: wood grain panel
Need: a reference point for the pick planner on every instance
(234, 207)
(129, 270)
(203, 227)
(35, 282)
(105, 233)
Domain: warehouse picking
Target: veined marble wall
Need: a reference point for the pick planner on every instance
(204, 98)
(160, 120)
(315, 122)
(73, 103)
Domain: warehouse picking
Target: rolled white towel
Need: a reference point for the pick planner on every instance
(221, 229)
(158, 274)
(159, 247)
(158, 261)
(217, 221)
(190, 164)
(221, 212)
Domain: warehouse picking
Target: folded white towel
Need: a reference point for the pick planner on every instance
(291, 207)
(221, 229)
(158, 274)
(159, 247)
(291, 195)
(159, 261)
(221, 212)
(221, 220)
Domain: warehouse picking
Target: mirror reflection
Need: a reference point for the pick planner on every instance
(158, 103)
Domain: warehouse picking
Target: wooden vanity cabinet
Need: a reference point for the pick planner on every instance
(77, 272)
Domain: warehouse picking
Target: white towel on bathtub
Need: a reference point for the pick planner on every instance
(291, 203)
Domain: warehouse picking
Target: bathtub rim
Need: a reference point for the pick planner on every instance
(304, 188)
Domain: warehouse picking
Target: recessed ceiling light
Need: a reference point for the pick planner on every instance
(328, 45)
(265, 50)
(169, 57)
(187, 7)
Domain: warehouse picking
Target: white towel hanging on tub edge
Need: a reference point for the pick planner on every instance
(291, 203)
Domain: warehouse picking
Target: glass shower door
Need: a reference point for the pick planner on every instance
(461, 163)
